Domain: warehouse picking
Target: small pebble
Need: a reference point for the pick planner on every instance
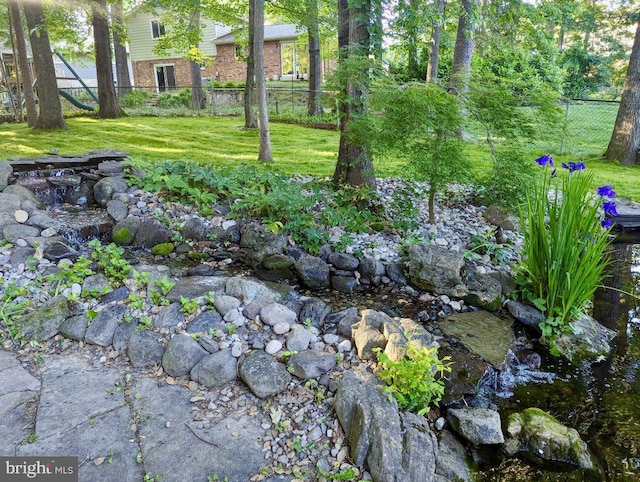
(168, 424)
(273, 347)
(21, 216)
(281, 328)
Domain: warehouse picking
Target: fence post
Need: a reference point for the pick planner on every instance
(566, 123)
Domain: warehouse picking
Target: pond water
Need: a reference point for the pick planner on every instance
(601, 401)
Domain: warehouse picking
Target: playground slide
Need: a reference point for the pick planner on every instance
(75, 101)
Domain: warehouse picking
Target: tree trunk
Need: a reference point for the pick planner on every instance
(343, 101)
(315, 72)
(50, 116)
(354, 165)
(23, 64)
(434, 52)
(465, 41)
(263, 108)
(119, 49)
(197, 94)
(249, 86)
(109, 107)
(625, 140)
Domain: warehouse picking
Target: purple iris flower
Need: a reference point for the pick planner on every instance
(606, 223)
(574, 166)
(544, 160)
(609, 208)
(606, 191)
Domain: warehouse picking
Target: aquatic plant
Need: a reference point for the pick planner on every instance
(566, 230)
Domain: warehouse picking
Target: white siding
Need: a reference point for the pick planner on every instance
(141, 43)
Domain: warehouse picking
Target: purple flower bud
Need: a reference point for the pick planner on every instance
(606, 223)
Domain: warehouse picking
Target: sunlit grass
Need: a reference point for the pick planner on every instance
(224, 141)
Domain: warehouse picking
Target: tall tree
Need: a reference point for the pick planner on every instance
(434, 47)
(109, 107)
(463, 51)
(250, 121)
(261, 90)
(315, 71)
(197, 93)
(50, 115)
(23, 64)
(118, 30)
(625, 140)
(354, 166)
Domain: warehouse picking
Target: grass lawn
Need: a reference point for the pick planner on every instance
(224, 141)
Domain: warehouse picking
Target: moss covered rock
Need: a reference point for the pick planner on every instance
(162, 249)
(540, 438)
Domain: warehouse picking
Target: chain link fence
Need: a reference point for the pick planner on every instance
(585, 132)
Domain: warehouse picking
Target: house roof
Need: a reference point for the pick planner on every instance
(287, 31)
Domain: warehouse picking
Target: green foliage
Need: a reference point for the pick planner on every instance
(305, 213)
(109, 259)
(586, 72)
(180, 98)
(421, 123)
(416, 381)
(135, 99)
(563, 259)
(481, 245)
(507, 182)
(189, 305)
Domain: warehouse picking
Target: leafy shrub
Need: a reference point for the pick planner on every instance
(135, 98)
(416, 381)
(507, 182)
(565, 237)
(181, 98)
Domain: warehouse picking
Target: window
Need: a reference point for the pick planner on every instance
(165, 77)
(241, 53)
(157, 29)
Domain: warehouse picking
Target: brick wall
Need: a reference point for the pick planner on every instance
(225, 67)
(144, 72)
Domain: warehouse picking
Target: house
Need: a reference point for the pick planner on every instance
(284, 59)
(165, 72)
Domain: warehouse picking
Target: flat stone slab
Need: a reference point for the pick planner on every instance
(171, 448)
(484, 334)
(16, 384)
(105, 446)
(73, 392)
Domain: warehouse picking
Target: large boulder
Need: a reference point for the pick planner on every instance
(181, 355)
(263, 374)
(256, 244)
(433, 268)
(479, 426)
(5, 172)
(586, 339)
(313, 272)
(395, 447)
(151, 233)
(216, 370)
(28, 200)
(106, 187)
(44, 322)
(541, 439)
